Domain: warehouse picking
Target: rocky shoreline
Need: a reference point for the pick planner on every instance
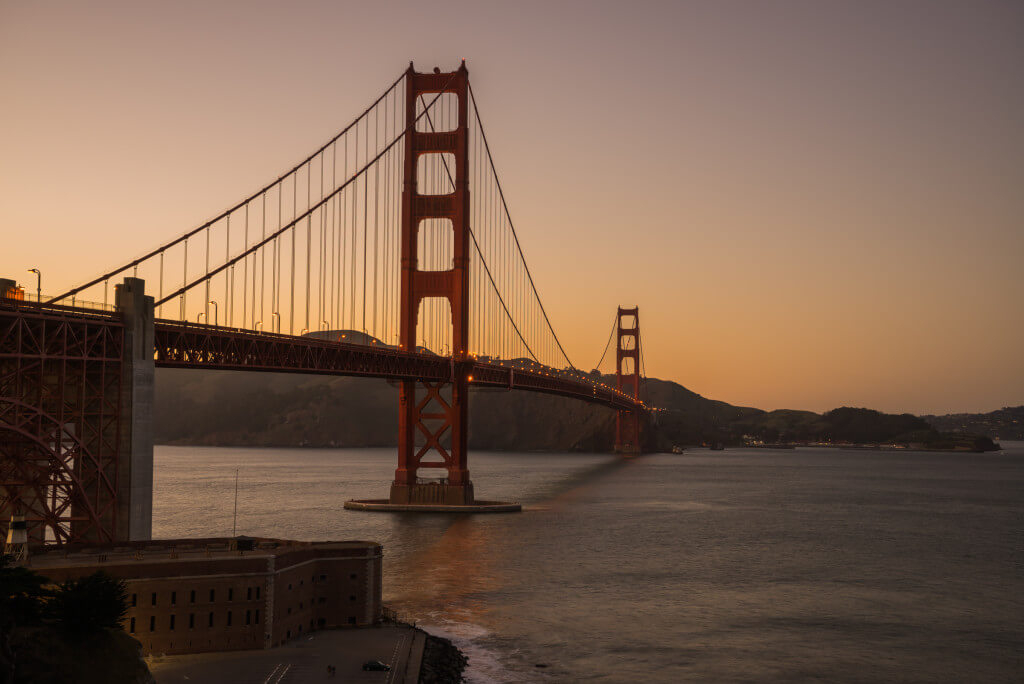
(443, 662)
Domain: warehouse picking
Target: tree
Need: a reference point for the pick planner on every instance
(22, 593)
(90, 603)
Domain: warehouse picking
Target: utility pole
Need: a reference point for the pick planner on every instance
(39, 283)
(234, 524)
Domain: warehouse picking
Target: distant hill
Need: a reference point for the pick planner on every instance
(852, 425)
(223, 408)
(1006, 423)
(279, 409)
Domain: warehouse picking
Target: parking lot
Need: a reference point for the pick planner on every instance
(304, 660)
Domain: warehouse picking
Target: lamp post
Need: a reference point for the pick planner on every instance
(39, 283)
(200, 316)
(277, 322)
(214, 311)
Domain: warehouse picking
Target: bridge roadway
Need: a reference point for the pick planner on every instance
(193, 345)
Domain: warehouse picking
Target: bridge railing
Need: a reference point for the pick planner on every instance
(33, 302)
(219, 349)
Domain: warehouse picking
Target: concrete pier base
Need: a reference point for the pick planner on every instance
(135, 469)
(385, 506)
(429, 493)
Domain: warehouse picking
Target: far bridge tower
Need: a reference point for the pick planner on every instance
(627, 378)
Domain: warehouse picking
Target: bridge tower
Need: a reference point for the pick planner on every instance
(627, 377)
(432, 416)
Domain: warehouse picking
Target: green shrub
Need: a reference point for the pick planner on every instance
(89, 603)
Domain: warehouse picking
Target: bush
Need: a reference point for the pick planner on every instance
(22, 593)
(90, 604)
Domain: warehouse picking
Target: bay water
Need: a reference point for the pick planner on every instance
(743, 565)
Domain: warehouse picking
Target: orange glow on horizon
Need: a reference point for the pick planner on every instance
(808, 213)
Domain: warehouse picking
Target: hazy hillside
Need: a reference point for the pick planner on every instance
(275, 409)
(1006, 423)
(270, 409)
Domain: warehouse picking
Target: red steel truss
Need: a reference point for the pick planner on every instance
(191, 345)
(433, 416)
(627, 356)
(60, 399)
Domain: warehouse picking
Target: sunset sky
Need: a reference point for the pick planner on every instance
(814, 204)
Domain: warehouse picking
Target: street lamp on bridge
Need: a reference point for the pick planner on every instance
(39, 283)
(214, 312)
(277, 322)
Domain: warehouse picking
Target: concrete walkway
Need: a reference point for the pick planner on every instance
(305, 660)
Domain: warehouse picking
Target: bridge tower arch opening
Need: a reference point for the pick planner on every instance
(627, 379)
(433, 416)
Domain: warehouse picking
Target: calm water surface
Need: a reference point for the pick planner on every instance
(742, 565)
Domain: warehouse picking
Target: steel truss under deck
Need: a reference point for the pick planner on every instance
(60, 399)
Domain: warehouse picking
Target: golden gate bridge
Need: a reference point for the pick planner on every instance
(388, 252)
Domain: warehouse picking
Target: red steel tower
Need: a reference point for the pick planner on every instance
(627, 376)
(433, 415)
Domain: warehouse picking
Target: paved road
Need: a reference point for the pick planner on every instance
(304, 660)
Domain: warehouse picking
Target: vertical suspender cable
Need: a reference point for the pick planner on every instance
(245, 269)
(278, 246)
(291, 275)
(309, 237)
(366, 223)
(334, 236)
(386, 259)
(353, 230)
(497, 182)
(206, 302)
(184, 279)
(376, 213)
(160, 310)
(263, 265)
(227, 257)
(320, 265)
(344, 237)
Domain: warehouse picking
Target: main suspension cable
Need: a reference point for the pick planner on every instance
(611, 334)
(478, 250)
(297, 219)
(233, 209)
(508, 215)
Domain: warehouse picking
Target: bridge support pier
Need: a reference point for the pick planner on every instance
(437, 414)
(76, 403)
(135, 467)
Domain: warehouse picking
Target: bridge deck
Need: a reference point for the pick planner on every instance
(192, 345)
